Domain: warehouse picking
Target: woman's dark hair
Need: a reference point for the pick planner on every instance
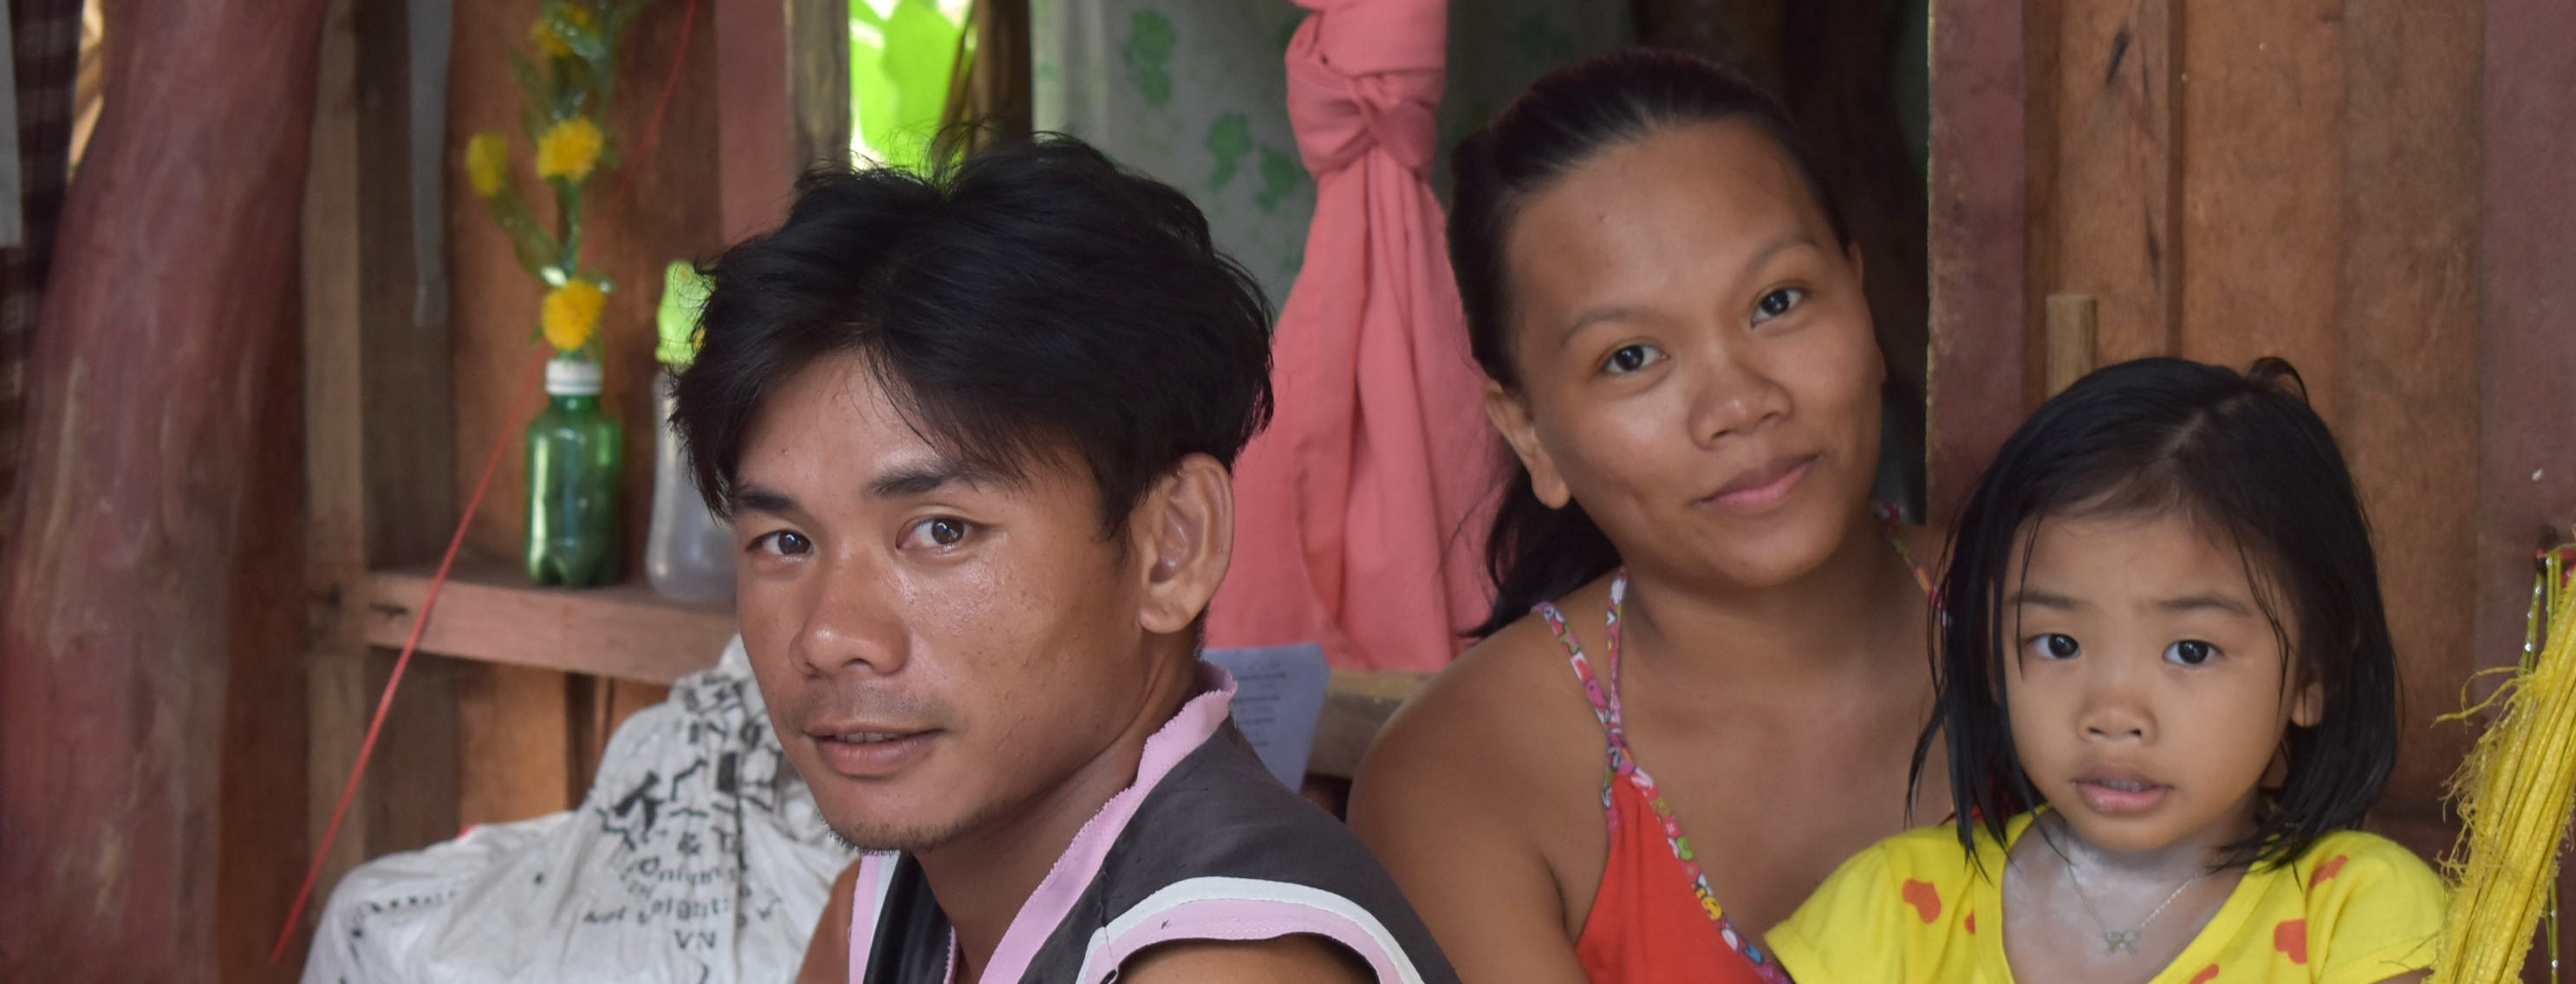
(2244, 457)
(1565, 120)
(1021, 301)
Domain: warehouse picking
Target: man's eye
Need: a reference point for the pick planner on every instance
(1631, 358)
(785, 543)
(936, 533)
(2190, 652)
(2055, 645)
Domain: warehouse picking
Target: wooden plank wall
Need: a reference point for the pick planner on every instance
(375, 423)
(2527, 432)
(2228, 181)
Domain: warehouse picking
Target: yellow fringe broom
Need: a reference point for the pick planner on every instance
(2514, 794)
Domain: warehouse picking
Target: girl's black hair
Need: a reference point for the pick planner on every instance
(1566, 119)
(2243, 455)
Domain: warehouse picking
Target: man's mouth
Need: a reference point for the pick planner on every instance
(873, 753)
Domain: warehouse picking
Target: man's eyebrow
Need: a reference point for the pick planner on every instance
(2043, 599)
(924, 478)
(2205, 602)
(761, 499)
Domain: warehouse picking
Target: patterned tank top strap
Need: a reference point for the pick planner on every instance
(1889, 526)
(1602, 692)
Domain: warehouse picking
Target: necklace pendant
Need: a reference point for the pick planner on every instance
(2119, 941)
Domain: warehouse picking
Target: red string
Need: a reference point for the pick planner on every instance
(491, 464)
(385, 704)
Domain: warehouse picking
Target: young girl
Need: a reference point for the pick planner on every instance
(2168, 696)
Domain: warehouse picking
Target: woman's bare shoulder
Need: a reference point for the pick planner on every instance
(1508, 718)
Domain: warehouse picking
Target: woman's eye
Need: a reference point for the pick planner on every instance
(2190, 652)
(1777, 303)
(1632, 358)
(2054, 645)
(936, 533)
(785, 543)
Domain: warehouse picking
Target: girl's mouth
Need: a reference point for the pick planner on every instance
(2121, 797)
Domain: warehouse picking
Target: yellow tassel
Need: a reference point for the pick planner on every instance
(2514, 794)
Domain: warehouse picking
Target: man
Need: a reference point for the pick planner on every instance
(973, 433)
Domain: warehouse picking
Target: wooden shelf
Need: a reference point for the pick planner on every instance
(489, 612)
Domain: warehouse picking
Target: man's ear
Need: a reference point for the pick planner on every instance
(1184, 534)
(1510, 414)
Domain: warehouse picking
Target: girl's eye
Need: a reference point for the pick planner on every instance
(2190, 652)
(938, 533)
(1632, 358)
(2055, 646)
(1777, 303)
(785, 543)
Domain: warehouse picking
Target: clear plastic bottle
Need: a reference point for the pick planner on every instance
(574, 456)
(688, 554)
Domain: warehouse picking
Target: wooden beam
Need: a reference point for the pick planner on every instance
(759, 169)
(378, 445)
(171, 294)
(1979, 278)
(2073, 327)
(818, 82)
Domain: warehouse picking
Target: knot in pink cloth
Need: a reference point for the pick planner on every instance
(1365, 75)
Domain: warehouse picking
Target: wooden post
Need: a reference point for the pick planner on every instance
(2071, 338)
(1979, 241)
(379, 448)
(172, 290)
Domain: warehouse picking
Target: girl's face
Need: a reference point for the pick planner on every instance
(2149, 691)
(1695, 357)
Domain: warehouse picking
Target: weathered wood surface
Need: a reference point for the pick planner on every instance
(172, 292)
(2527, 291)
(377, 438)
(1980, 285)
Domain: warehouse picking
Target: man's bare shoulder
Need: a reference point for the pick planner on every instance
(827, 956)
(1299, 959)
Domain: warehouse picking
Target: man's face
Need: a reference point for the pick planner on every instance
(939, 646)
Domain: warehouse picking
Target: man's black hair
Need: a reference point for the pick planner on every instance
(2246, 459)
(1029, 300)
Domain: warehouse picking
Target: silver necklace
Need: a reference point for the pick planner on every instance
(2120, 942)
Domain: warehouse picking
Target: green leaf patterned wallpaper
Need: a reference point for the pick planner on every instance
(1194, 92)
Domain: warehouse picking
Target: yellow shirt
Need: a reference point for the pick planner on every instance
(2354, 909)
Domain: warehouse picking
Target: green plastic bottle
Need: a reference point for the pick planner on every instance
(575, 455)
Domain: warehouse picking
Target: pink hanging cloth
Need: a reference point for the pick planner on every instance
(1360, 515)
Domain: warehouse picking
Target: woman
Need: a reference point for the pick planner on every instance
(1681, 358)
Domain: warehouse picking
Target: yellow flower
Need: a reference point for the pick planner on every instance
(569, 149)
(572, 313)
(542, 36)
(487, 163)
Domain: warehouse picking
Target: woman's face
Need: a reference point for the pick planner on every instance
(1696, 362)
